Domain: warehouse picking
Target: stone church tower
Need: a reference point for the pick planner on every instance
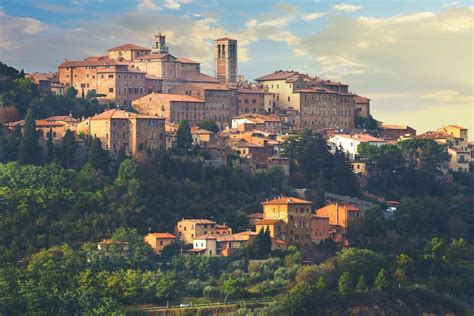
(225, 59)
(160, 44)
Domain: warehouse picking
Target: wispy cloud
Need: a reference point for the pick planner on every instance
(146, 5)
(346, 7)
(313, 16)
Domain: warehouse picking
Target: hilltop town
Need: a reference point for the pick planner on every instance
(133, 181)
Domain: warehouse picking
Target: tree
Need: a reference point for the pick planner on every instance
(261, 245)
(50, 147)
(382, 281)
(167, 286)
(433, 253)
(359, 261)
(209, 125)
(184, 137)
(68, 148)
(344, 285)
(361, 285)
(405, 268)
(128, 169)
(98, 157)
(29, 151)
(321, 284)
(232, 286)
(71, 92)
(424, 154)
(342, 176)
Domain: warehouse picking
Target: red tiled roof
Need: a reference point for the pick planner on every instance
(326, 210)
(120, 114)
(128, 47)
(154, 56)
(277, 75)
(162, 235)
(384, 126)
(172, 97)
(208, 236)
(286, 200)
(199, 221)
(255, 215)
(360, 99)
(268, 221)
(210, 86)
(200, 77)
(185, 60)
(92, 62)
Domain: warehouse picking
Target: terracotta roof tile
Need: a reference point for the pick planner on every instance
(162, 235)
(172, 97)
(128, 47)
(286, 200)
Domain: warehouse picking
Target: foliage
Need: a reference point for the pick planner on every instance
(209, 125)
(344, 285)
(29, 151)
(382, 281)
(314, 161)
(183, 137)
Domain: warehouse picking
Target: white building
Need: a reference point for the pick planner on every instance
(350, 143)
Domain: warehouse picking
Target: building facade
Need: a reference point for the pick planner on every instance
(225, 60)
(188, 229)
(295, 214)
(172, 107)
(310, 102)
(117, 129)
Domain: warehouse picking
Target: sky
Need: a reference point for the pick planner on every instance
(413, 59)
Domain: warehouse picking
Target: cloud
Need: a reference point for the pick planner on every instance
(313, 16)
(146, 5)
(345, 7)
(420, 60)
(175, 4)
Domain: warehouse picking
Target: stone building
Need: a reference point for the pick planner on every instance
(118, 129)
(221, 100)
(310, 102)
(111, 79)
(188, 229)
(158, 241)
(225, 59)
(394, 132)
(251, 101)
(172, 107)
(362, 106)
(294, 213)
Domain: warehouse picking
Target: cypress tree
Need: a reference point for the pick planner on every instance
(68, 148)
(345, 283)
(50, 147)
(320, 192)
(184, 137)
(98, 157)
(361, 285)
(29, 151)
(381, 281)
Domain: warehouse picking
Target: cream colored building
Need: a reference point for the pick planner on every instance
(158, 241)
(317, 103)
(172, 107)
(188, 229)
(119, 129)
(294, 213)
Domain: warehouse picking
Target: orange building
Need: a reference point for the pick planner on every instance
(276, 227)
(172, 107)
(251, 101)
(158, 241)
(223, 230)
(189, 229)
(111, 79)
(119, 129)
(339, 217)
(296, 216)
(320, 228)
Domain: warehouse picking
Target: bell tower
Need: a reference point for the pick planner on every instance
(160, 44)
(225, 59)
